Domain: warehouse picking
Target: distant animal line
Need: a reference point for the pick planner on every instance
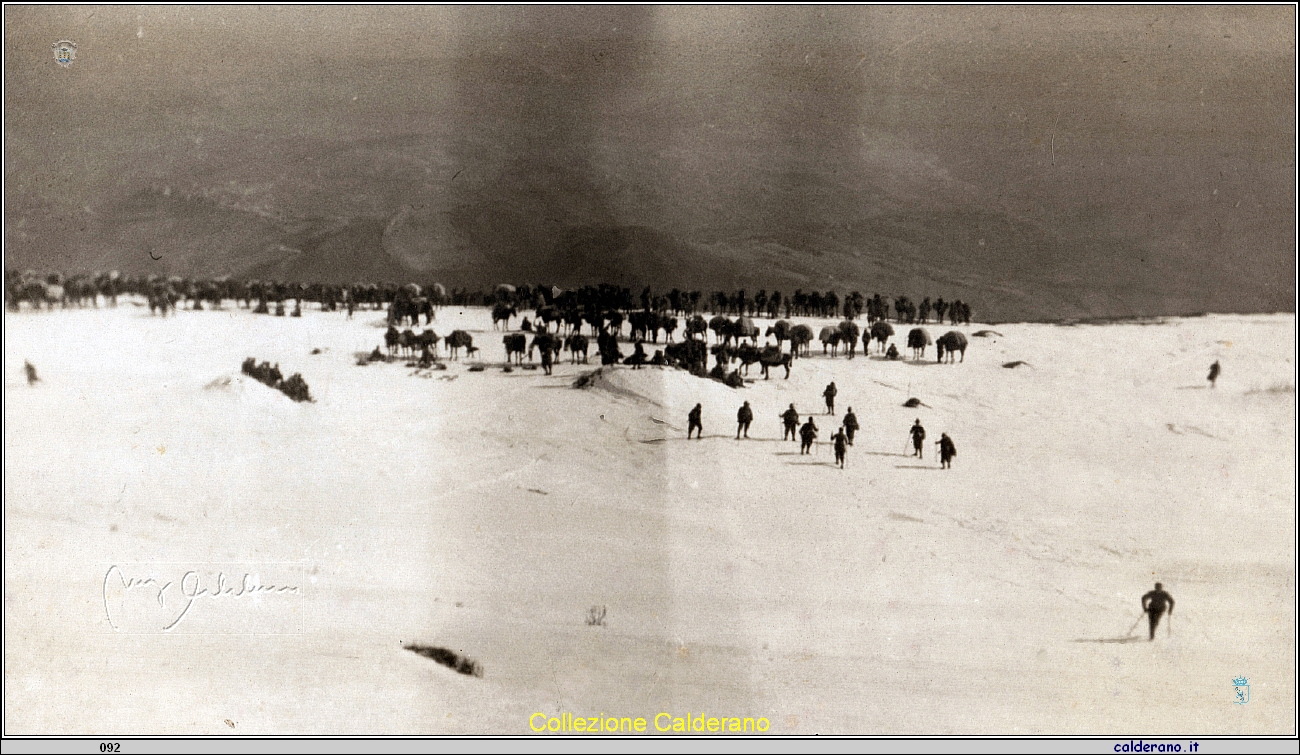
(657, 312)
(604, 308)
(565, 312)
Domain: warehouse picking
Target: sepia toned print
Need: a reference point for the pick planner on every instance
(374, 371)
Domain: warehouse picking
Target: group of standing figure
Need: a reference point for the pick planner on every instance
(807, 433)
(1155, 604)
(947, 449)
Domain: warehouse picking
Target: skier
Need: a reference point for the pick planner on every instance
(791, 419)
(947, 450)
(841, 445)
(809, 434)
(829, 394)
(694, 423)
(743, 418)
(850, 425)
(918, 437)
(1214, 373)
(1154, 604)
(32, 379)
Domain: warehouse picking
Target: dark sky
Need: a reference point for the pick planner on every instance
(1167, 132)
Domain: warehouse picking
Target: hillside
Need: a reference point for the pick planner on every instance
(488, 512)
(1034, 181)
(1010, 269)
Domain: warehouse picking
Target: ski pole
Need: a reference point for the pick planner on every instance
(1135, 624)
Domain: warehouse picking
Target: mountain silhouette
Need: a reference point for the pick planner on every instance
(1114, 178)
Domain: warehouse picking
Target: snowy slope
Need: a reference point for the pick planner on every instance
(487, 512)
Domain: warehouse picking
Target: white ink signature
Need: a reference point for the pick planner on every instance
(189, 590)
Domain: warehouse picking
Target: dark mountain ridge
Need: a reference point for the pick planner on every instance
(1118, 175)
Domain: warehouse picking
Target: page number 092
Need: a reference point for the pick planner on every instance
(110, 746)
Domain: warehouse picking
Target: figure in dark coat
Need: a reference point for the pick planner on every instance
(841, 446)
(851, 426)
(918, 438)
(829, 394)
(743, 418)
(808, 434)
(694, 423)
(1214, 373)
(947, 450)
(791, 420)
(1154, 604)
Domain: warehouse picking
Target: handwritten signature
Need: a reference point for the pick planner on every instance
(189, 590)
